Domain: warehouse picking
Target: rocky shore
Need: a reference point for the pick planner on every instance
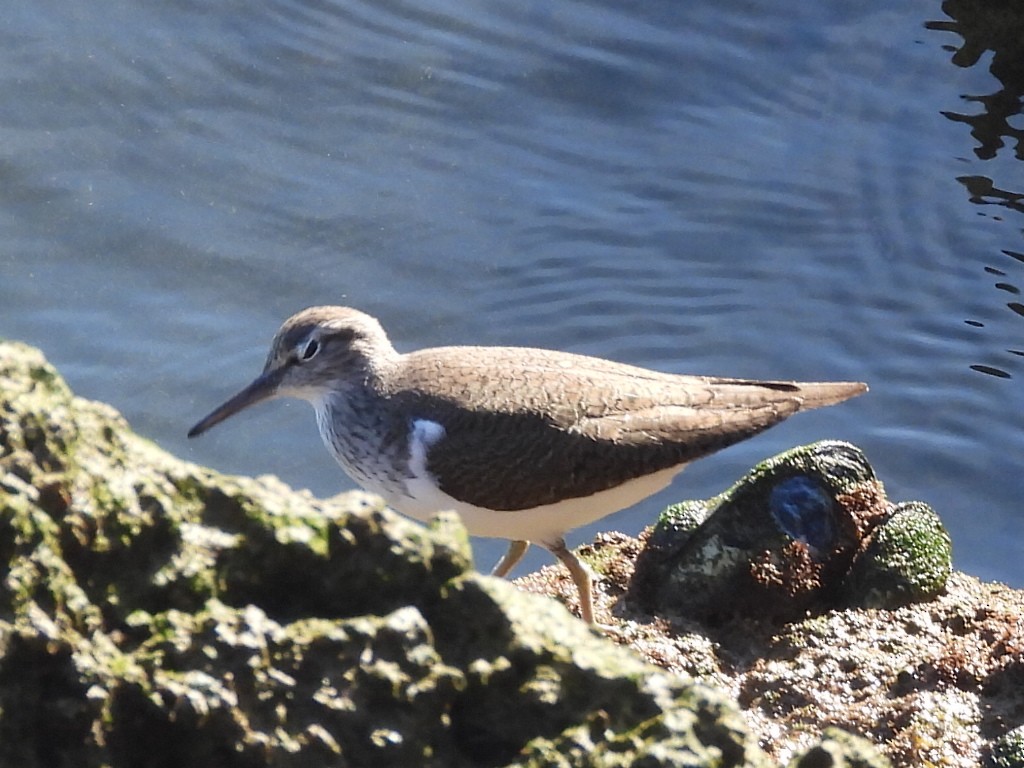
(156, 613)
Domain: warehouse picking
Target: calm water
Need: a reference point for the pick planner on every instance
(796, 190)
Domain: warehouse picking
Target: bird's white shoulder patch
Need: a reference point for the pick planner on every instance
(423, 435)
(422, 498)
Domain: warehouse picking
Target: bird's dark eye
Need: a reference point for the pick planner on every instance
(309, 351)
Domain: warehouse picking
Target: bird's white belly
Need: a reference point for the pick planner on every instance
(544, 525)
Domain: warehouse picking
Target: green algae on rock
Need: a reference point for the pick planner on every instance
(786, 539)
(907, 558)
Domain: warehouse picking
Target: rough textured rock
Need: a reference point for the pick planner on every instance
(930, 683)
(154, 613)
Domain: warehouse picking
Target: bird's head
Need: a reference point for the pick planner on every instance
(317, 351)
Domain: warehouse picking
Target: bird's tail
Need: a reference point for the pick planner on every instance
(805, 394)
(817, 394)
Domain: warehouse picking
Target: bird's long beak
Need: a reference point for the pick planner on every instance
(263, 388)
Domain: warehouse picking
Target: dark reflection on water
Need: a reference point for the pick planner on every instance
(983, 191)
(996, 27)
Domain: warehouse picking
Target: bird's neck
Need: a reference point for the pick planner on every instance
(347, 420)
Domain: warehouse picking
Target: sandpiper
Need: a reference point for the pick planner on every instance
(525, 444)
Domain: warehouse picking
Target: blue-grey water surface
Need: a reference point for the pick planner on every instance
(794, 190)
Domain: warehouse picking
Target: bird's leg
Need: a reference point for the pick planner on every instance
(580, 576)
(516, 550)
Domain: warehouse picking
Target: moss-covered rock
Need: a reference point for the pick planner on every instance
(907, 558)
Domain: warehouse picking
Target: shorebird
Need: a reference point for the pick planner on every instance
(525, 444)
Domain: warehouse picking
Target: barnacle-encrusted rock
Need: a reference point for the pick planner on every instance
(801, 531)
